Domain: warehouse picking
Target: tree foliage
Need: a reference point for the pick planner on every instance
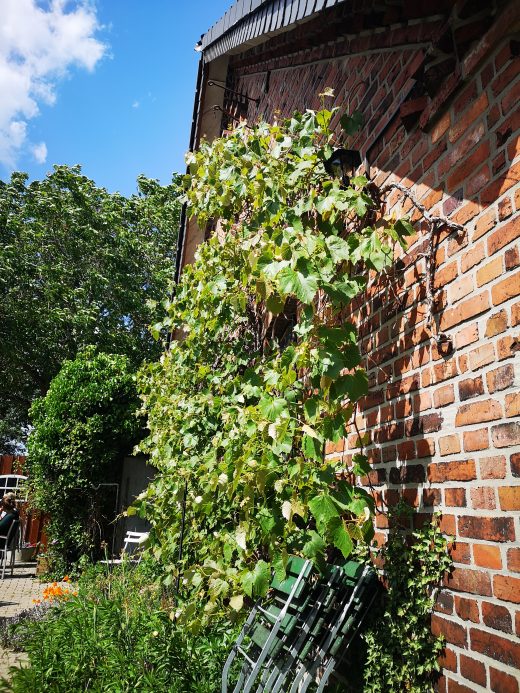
(83, 426)
(266, 370)
(77, 266)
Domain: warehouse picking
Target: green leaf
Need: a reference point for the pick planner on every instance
(323, 509)
(295, 283)
(312, 448)
(340, 537)
(351, 124)
(275, 304)
(272, 407)
(315, 547)
(338, 248)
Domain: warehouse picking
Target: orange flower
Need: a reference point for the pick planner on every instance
(66, 579)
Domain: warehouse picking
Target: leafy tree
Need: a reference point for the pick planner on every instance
(83, 426)
(239, 408)
(77, 266)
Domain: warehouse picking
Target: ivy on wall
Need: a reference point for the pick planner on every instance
(266, 370)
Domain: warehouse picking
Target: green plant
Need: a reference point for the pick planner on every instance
(402, 652)
(82, 427)
(265, 370)
(116, 636)
(77, 266)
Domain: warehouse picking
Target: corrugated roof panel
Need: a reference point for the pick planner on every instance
(305, 8)
(247, 20)
(291, 11)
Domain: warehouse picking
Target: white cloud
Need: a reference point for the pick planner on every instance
(40, 152)
(136, 104)
(38, 45)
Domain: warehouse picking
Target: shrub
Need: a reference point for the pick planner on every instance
(82, 428)
(117, 635)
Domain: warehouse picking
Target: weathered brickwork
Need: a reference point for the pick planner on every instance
(444, 417)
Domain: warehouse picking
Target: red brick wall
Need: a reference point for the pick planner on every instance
(445, 423)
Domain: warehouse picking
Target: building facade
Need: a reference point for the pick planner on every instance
(438, 84)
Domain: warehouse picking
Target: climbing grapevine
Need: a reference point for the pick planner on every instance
(264, 369)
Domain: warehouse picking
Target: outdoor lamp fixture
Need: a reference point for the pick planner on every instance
(342, 164)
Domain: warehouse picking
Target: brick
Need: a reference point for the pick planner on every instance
(456, 687)
(463, 470)
(413, 473)
(444, 602)
(446, 275)
(513, 560)
(515, 464)
(487, 528)
(509, 497)
(455, 497)
(448, 660)
(467, 609)
(443, 396)
(507, 588)
(476, 440)
(464, 311)
(460, 553)
(431, 497)
(515, 314)
(497, 617)
(512, 258)
(425, 447)
(496, 647)
(506, 347)
(464, 122)
(453, 632)
(478, 412)
(483, 498)
(449, 445)
(469, 580)
(490, 271)
(441, 127)
(481, 356)
(505, 435)
(500, 682)
(496, 324)
(460, 288)
(484, 223)
(486, 556)
(506, 289)
(500, 378)
(501, 185)
(512, 404)
(467, 335)
(503, 236)
(505, 208)
(472, 257)
(471, 388)
(493, 468)
(444, 371)
(473, 670)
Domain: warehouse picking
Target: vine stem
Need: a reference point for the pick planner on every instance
(435, 223)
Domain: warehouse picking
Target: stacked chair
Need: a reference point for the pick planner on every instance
(295, 638)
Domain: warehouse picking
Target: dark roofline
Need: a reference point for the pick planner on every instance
(248, 20)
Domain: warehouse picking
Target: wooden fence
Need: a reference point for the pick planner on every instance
(33, 521)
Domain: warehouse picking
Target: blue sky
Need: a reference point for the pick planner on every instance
(111, 86)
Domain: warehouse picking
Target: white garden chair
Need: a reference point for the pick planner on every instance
(132, 550)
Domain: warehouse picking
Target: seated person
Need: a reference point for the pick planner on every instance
(8, 516)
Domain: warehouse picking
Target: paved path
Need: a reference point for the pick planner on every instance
(16, 594)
